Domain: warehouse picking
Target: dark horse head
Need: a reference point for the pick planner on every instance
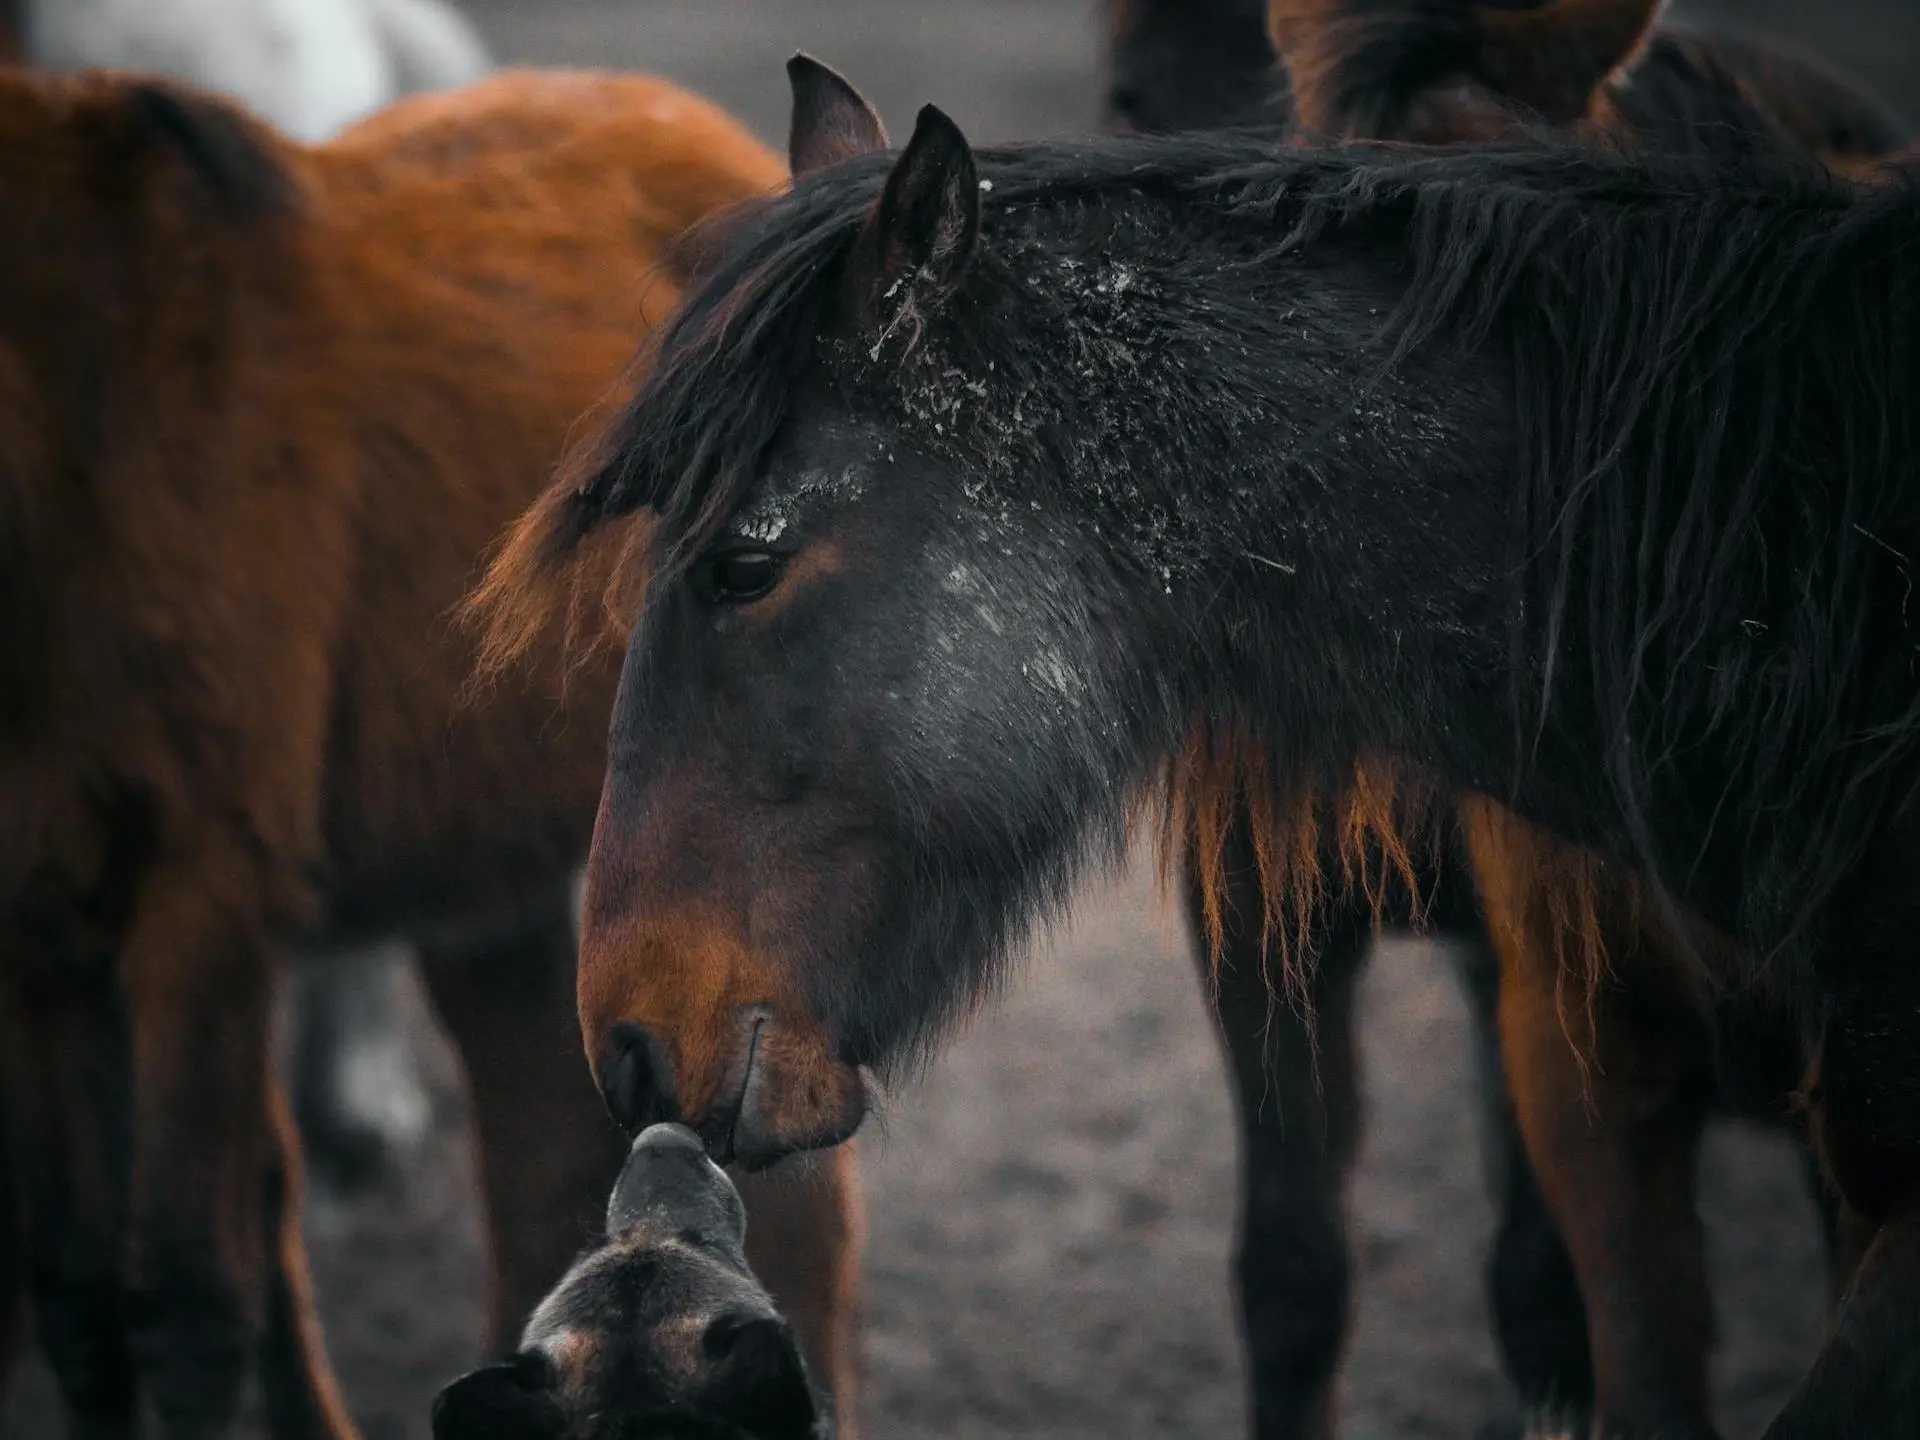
(989, 489)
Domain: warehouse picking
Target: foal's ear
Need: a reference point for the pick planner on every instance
(759, 1382)
(509, 1401)
(1553, 57)
(832, 121)
(927, 220)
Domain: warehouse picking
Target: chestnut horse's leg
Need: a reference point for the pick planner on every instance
(1539, 1317)
(805, 1228)
(1614, 1140)
(199, 977)
(65, 1046)
(549, 1154)
(1298, 1130)
(297, 1383)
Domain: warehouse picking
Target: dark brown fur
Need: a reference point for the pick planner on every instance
(266, 408)
(1613, 1048)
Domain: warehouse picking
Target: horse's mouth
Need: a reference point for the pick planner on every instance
(786, 1091)
(719, 1132)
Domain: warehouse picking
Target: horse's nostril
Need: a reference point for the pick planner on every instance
(636, 1079)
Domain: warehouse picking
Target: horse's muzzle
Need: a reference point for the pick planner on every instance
(780, 1090)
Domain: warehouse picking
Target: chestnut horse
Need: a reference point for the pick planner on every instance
(265, 408)
(991, 487)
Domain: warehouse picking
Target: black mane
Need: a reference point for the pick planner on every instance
(1693, 339)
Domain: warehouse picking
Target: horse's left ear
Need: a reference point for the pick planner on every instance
(924, 227)
(831, 122)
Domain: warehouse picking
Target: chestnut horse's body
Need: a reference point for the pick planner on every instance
(262, 411)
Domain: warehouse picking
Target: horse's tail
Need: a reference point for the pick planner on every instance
(432, 46)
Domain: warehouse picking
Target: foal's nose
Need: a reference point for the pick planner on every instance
(669, 1180)
(636, 1078)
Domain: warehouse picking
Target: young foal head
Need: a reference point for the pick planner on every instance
(659, 1333)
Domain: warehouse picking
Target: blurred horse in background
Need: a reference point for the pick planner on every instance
(1611, 1095)
(265, 408)
(311, 67)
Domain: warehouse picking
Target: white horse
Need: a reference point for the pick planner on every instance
(311, 67)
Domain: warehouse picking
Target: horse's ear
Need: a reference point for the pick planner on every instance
(510, 1401)
(926, 222)
(1552, 58)
(832, 121)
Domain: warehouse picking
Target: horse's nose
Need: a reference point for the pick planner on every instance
(636, 1078)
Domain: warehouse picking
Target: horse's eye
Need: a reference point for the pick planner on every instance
(736, 577)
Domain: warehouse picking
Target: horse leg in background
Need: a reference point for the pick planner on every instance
(806, 1226)
(13, 1253)
(1539, 1317)
(1298, 1131)
(199, 979)
(357, 1090)
(14, 1269)
(1608, 1092)
(297, 1384)
(548, 1153)
(63, 1050)
(1863, 1098)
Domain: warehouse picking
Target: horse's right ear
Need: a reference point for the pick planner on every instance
(924, 226)
(832, 121)
(509, 1401)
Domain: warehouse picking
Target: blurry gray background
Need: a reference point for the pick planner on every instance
(1051, 1207)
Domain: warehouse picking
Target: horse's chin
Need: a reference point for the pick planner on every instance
(794, 1095)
